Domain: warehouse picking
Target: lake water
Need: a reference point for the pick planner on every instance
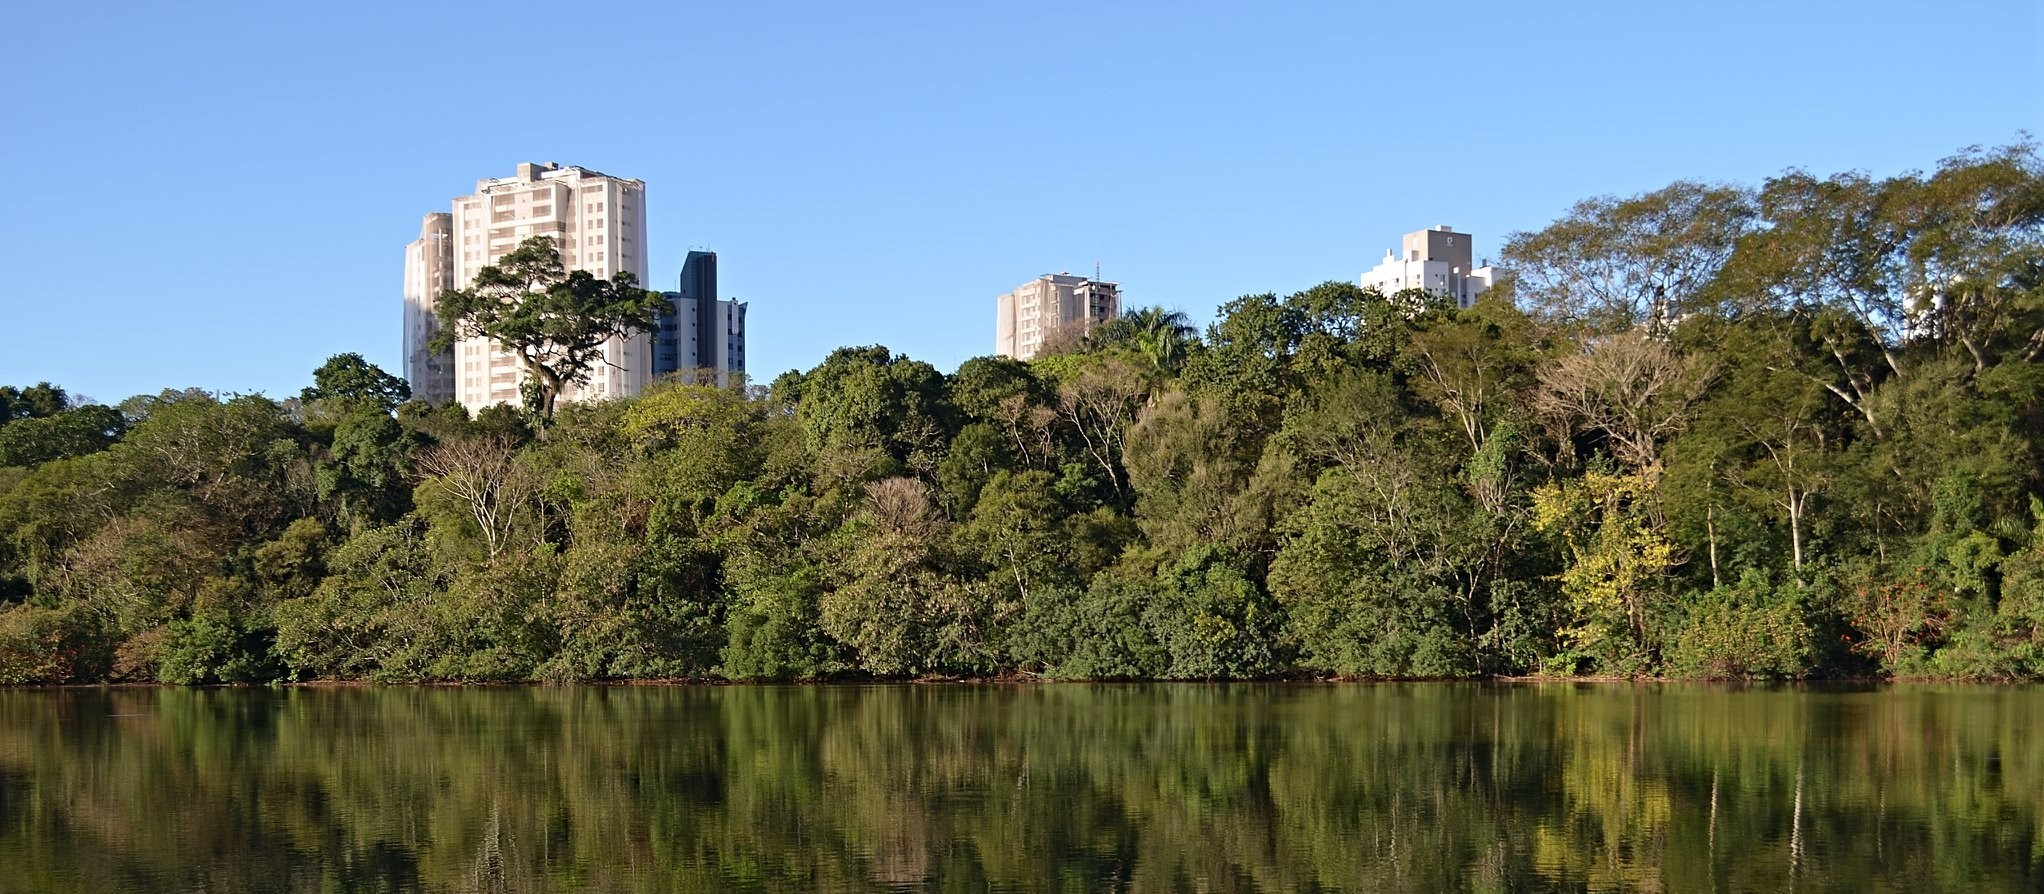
(1070, 788)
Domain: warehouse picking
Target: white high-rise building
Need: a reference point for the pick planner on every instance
(598, 222)
(429, 263)
(1025, 317)
(1439, 260)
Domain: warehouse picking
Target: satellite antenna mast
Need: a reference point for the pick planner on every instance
(1096, 271)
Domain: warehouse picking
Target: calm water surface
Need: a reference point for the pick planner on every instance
(1155, 788)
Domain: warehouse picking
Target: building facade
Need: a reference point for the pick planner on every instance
(700, 331)
(597, 222)
(429, 265)
(1026, 316)
(1439, 260)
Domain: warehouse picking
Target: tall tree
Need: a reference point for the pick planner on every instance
(1974, 257)
(1634, 389)
(871, 405)
(34, 402)
(1163, 337)
(73, 432)
(1614, 263)
(484, 481)
(349, 378)
(1473, 364)
(554, 322)
(1892, 272)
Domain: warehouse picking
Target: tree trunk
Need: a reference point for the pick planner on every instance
(1710, 529)
(1795, 513)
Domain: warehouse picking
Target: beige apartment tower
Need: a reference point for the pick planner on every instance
(598, 222)
(1025, 317)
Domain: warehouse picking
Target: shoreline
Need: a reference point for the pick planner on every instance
(1031, 681)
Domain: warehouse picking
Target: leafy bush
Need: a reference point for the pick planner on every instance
(1747, 629)
(212, 648)
(773, 632)
(40, 646)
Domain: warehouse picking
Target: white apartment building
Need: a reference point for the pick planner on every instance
(1024, 317)
(598, 222)
(1439, 260)
(429, 263)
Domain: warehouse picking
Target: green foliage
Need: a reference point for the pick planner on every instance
(774, 634)
(349, 379)
(371, 617)
(498, 621)
(1103, 633)
(1614, 263)
(553, 321)
(39, 401)
(78, 431)
(1747, 629)
(1372, 576)
(41, 646)
(368, 464)
(213, 648)
(868, 403)
(1162, 338)
(1212, 620)
(1780, 432)
(1617, 560)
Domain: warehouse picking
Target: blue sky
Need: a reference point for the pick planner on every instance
(218, 195)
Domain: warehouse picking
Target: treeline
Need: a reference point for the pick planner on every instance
(1710, 430)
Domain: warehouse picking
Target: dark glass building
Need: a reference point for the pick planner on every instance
(699, 331)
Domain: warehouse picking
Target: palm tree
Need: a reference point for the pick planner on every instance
(1161, 336)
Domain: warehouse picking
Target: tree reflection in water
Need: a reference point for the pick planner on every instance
(1141, 788)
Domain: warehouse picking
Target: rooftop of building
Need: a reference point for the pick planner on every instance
(534, 172)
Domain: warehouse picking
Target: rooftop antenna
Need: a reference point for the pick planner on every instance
(1096, 271)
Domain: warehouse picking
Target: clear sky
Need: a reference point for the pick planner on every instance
(218, 195)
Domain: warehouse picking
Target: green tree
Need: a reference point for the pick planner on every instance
(1747, 629)
(1190, 465)
(871, 412)
(1162, 337)
(348, 377)
(1618, 560)
(34, 402)
(35, 440)
(1475, 365)
(899, 608)
(1376, 573)
(1015, 532)
(554, 322)
(1212, 620)
(1613, 263)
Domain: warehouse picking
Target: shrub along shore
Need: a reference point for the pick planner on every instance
(1783, 431)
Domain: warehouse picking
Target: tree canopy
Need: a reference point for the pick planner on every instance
(1784, 431)
(554, 322)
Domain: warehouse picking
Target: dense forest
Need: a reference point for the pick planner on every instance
(1711, 430)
